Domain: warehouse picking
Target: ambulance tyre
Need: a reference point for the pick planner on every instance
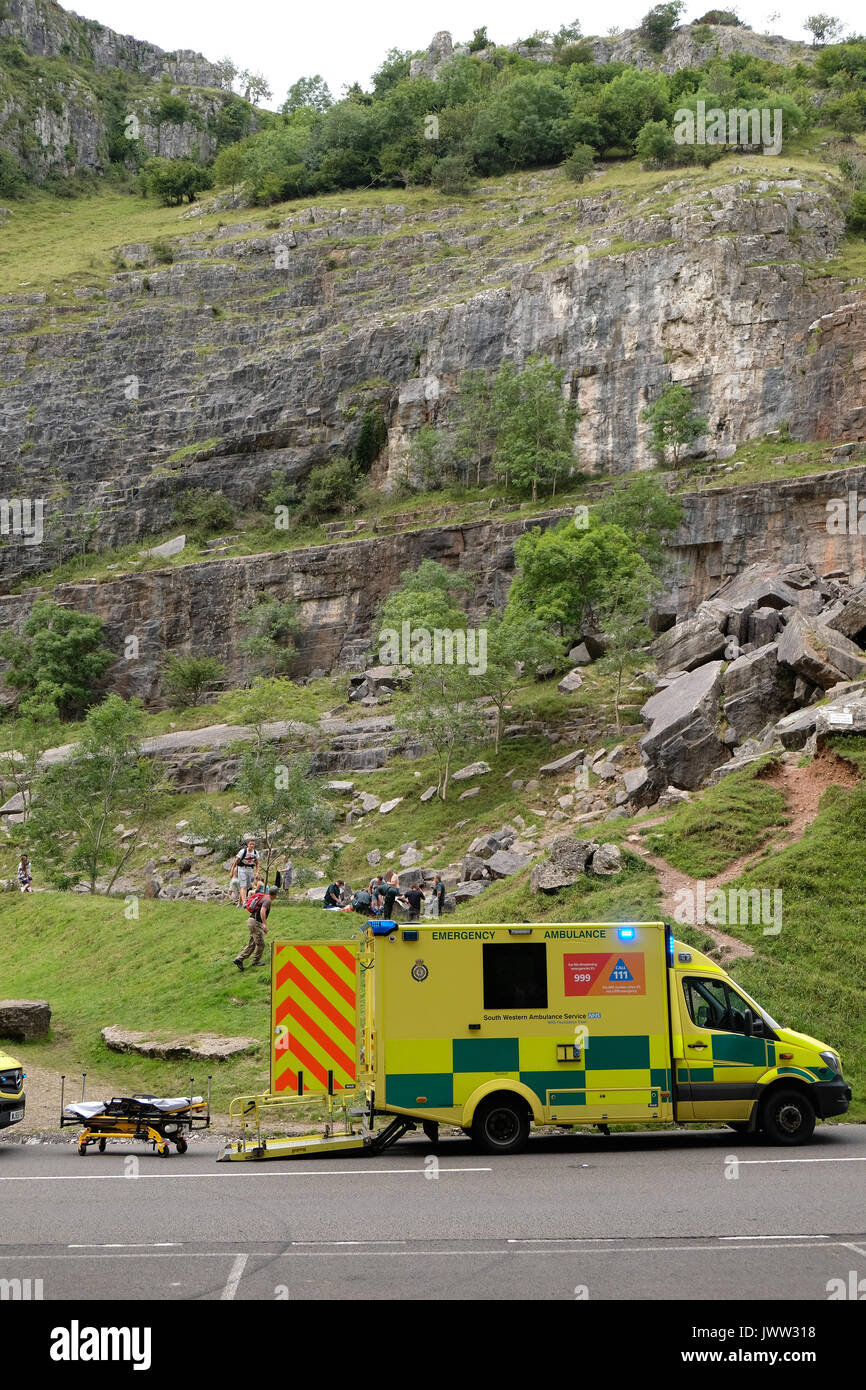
(788, 1117)
(501, 1124)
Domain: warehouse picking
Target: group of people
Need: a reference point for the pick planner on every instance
(378, 898)
(249, 890)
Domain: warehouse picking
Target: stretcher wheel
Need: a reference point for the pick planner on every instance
(165, 1151)
(181, 1145)
(102, 1146)
(82, 1147)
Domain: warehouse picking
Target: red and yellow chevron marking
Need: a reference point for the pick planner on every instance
(314, 1015)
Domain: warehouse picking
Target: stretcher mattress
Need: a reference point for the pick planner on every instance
(89, 1109)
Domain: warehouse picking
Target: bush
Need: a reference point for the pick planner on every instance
(187, 677)
(856, 219)
(579, 163)
(12, 180)
(453, 174)
(371, 439)
(328, 488)
(659, 23)
(201, 513)
(655, 145)
(57, 659)
(172, 180)
(162, 252)
(719, 17)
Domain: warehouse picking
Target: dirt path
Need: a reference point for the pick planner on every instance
(802, 788)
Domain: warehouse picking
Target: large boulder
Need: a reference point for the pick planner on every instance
(682, 744)
(561, 765)
(464, 891)
(848, 615)
(755, 690)
(818, 653)
(24, 1019)
(566, 865)
(690, 643)
(505, 862)
(606, 860)
(206, 1047)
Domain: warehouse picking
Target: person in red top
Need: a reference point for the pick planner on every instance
(258, 905)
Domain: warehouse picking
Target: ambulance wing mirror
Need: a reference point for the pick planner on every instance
(754, 1025)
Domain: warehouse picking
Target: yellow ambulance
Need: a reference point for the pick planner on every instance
(495, 1028)
(11, 1090)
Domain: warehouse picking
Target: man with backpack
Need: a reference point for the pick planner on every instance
(245, 867)
(258, 905)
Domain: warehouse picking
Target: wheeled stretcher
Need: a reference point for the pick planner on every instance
(161, 1121)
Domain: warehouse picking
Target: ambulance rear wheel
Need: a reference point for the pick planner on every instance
(788, 1117)
(501, 1125)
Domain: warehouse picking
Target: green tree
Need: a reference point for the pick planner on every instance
(229, 167)
(675, 425)
(824, 28)
(328, 488)
(515, 649)
(534, 425)
(441, 710)
(428, 458)
(473, 425)
(453, 175)
(640, 506)
(12, 179)
(187, 677)
(172, 180)
(621, 614)
(658, 25)
(76, 803)
(580, 162)
(288, 810)
(564, 572)
(202, 512)
(425, 598)
(313, 92)
(655, 145)
(56, 661)
(19, 766)
(270, 646)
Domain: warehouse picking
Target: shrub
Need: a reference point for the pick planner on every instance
(659, 23)
(579, 163)
(655, 145)
(453, 174)
(201, 512)
(12, 181)
(162, 252)
(328, 487)
(187, 677)
(856, 219)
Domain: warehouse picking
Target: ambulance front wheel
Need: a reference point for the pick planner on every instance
(501, 1125)
(788, 1117)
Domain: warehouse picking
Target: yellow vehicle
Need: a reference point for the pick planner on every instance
(494, 1028)
(11, 1090)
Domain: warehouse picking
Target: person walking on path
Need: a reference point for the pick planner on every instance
(25, 875)
(245, 867)
(258, 905)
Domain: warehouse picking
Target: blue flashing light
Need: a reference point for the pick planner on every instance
(381, 927)
(626, 933)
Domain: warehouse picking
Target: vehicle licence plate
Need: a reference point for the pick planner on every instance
(16, 1115)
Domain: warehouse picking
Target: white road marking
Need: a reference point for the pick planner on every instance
(209, 1177)
(803, 1237)
(858, 1250)
(753, 1162)
(131, 1245)
(234, 1278)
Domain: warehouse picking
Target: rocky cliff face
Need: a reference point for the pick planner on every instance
(67, 85)
(254, 350)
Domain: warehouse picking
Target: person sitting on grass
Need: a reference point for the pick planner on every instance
(258, 905)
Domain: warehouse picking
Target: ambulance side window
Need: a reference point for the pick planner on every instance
(712, 1004)
(515, 976)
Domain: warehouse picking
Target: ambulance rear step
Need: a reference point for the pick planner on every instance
(337, 1136)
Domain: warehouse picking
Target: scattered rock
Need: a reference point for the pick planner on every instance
(473, 770)
(606, 860)
(24, 1020)
(206, 1047)
(387, 806)
(428, 795)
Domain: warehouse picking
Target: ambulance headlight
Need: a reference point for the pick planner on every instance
(832, 1061)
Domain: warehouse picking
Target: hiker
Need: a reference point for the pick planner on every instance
(362, 902)
(285, 878)
(25, 876)
(414, 898)
(258, 905)
(245, 869)
(438, 894)
(333, 894)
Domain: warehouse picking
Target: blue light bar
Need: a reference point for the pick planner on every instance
(626, 933)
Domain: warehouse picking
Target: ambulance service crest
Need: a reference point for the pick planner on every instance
(419, 971)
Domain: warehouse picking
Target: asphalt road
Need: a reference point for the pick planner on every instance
(702, 1215)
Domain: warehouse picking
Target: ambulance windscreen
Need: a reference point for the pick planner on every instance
(515, 976)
